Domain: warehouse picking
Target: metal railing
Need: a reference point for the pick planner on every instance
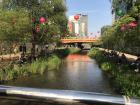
(61, 96)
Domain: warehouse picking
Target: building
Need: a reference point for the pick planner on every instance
(78, 27)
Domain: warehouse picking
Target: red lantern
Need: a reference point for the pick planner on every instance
(123, 28)
(132, 24)
(76, 17)
(42, 20)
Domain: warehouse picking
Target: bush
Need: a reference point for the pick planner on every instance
(93, 52)
(53, 62)
(106, 66)
(124, 80)
(61, 53)
(73, 50)
(37, 67)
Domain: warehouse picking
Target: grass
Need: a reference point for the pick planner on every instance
(53, 62)
(61, 53)
(124, 80)
(37, 67)
(73, 50)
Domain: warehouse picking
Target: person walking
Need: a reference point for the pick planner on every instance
(24, 48)
(15, 50)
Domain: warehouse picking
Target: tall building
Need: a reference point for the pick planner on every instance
(79, 26)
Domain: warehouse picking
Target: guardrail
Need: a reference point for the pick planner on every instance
(64, 96)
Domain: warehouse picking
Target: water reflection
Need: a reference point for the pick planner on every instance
(78, 72)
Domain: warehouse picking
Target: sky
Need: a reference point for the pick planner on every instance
(98, 11)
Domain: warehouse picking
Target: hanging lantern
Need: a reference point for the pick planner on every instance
(119, 12)
(123, 28)
(132, 24)
(76, 17)
(42, 20)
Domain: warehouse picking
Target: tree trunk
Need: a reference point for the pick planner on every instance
(33, 43)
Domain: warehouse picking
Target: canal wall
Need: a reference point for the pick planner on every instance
(124, 78)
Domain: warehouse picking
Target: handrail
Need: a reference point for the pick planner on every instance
(45, 95)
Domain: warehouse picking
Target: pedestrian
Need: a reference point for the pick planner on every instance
(15, 50)
(24, 48)
(20, 48)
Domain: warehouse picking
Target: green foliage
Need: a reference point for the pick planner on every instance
(129, 39)
(53, 63)
(63, 52)
(14, 26)
(37, 67)
(124, 80)
(106, 66)
(114, 38)
(123, 20)
(73, 50)
(98, 55)
(54, 13)
(131, 6)
(104, 29)
(93, 52)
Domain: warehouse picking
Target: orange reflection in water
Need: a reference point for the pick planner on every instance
(76, 57)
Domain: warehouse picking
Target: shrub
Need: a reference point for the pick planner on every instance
(93, 52)
(37, 67)
(53, 62)
(61, 53)
(124, 80)
(106, 66)
(73, 50)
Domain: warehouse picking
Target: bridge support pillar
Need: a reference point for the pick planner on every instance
(80, 46)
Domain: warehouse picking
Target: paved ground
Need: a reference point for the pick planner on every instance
(9, 56)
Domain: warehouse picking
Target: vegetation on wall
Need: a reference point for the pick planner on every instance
(122, 77)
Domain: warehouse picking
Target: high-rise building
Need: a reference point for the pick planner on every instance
(79, 26)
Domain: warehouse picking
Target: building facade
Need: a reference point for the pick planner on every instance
(78, 27)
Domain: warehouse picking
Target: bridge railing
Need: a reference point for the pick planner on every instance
(79, 38)
(64, 96)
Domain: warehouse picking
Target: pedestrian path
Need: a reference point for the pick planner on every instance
(9, 56)
(128, 56)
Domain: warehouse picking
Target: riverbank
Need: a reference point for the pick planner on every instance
(39, 66)
(128, 56)
(124, 79)
(9, 57)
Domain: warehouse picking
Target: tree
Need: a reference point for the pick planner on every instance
(14, 26)
(104, 29)
(52, 10)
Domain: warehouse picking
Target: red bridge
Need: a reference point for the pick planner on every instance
(79, 40)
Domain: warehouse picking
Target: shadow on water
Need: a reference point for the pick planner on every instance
(78, 72)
